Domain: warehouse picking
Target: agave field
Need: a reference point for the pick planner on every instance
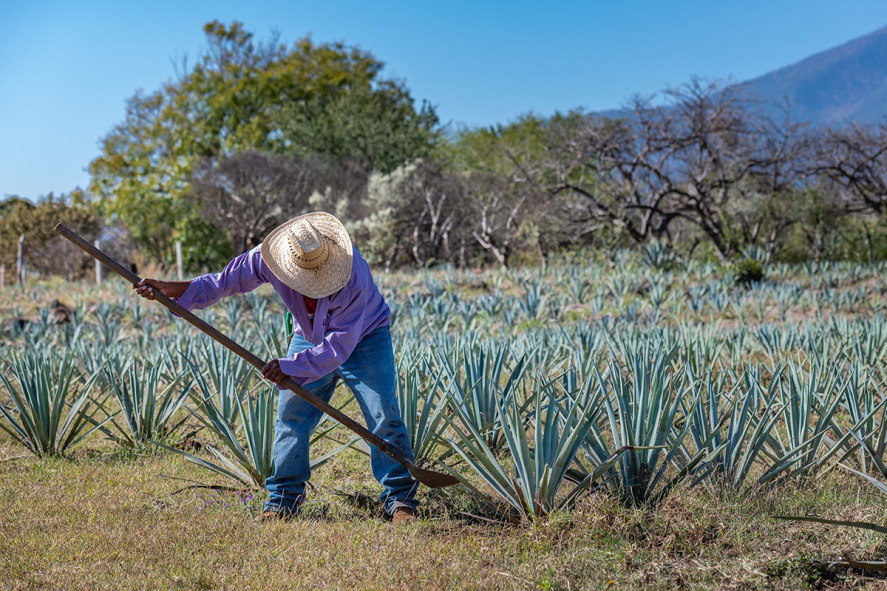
(539, 389)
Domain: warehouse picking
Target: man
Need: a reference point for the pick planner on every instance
(343, 333)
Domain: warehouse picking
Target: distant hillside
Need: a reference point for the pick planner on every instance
(845, 83)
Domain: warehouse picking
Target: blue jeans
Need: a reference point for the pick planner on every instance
(369, 373)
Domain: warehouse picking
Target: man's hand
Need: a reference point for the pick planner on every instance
(171, 289)
(272, 371)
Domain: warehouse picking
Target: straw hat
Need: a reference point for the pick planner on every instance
(311, 253)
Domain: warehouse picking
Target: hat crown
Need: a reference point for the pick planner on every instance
(308, 246)
(304, 237)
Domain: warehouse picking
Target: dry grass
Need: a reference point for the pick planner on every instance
(109, 521)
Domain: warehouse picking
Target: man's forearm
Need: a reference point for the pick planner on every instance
(177, 288)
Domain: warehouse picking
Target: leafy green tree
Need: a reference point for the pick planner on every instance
(322, 98)
(373, 124)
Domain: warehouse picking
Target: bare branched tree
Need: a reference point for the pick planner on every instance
(340, 187)
(765, 212)
(432, 222)
(508, 191)
(501, 207)
(699, 159)
(854, 158)
(247, 194)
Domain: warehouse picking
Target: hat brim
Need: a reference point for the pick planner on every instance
(314, 283)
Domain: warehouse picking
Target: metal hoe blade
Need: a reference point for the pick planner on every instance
(429, 478)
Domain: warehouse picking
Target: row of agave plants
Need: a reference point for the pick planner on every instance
(529, 425)
(506, 301)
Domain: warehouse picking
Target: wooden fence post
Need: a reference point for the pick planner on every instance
(180, 267)
(98, 265)
(21, 270)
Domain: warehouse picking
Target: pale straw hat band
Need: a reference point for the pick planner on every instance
(311, 253)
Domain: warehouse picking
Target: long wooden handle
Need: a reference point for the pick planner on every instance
(392, 451)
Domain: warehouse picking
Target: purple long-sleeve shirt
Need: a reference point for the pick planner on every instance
(340, 320)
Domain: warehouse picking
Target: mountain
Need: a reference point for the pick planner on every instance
(845, 83)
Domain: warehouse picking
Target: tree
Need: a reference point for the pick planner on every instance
(854, 158)
(375, 125)
(377, 227)
(248, 194)
(703, 158)
(46, 252)
(242, 96)
(433, 218)
(499, 166)
(819, 218)
(419, 213)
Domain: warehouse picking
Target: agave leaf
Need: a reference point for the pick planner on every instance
(877, 483)
(860, 443)
(77, 414)
(17, 432)
(877, 566)
(250, 476)
(587, 482)
(236, 475)
(474, 450)
(860, 524)
(317, 463)
(473, 445)
(484, 497)
(90, 431)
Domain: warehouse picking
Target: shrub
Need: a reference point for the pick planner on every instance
(748, 271)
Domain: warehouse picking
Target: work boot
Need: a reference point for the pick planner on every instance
(402, 515)
(271, 515)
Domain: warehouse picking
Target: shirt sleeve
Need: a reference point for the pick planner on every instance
(242, 275)
(341, 337)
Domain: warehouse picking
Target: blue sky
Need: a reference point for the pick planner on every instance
(67, 68)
